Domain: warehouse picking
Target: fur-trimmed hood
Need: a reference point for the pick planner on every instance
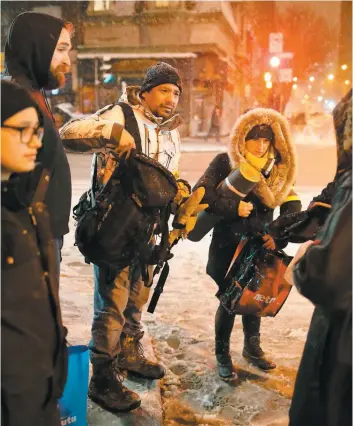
(272, 191)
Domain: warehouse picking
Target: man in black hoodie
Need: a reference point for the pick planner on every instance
(36, 58)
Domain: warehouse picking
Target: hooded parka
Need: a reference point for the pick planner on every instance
(271, 192)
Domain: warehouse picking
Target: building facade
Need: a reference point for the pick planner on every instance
(206, 41)
(116, 41)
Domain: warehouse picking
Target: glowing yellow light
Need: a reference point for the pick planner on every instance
(267, 76)
(344, 67)
(320, 98)
(330, 76)
(295, 78)
(268, 84)
(312, 78)
(275, 62)
(347, 82)
(295, 86)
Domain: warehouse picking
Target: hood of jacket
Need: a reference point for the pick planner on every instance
(30, 46)
(132, 97)
(272, 191)
(342, 118)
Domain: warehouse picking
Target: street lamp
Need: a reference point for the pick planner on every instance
(267, 76)
(344, 67)
(275, 62)
(295, 78)
(312, 78)
(346, 82)
(331, 77)
(295, 86)
(268, 84)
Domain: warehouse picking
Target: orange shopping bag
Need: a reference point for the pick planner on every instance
(256, 280)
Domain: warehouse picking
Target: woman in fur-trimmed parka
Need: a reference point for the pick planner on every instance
(260, 147)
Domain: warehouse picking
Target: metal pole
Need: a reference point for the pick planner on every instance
(96, 82)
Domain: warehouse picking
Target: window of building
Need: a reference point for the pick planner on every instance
(101, 5)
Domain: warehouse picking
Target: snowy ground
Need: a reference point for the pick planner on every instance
(183, 336)
(182, 329)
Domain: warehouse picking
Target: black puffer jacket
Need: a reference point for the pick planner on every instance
(32, 334)
(276, 190)
(28, 52)
(229, 231)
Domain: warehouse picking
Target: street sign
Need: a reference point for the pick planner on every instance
(286, 75)
(276, 43)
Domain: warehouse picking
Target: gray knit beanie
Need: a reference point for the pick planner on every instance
(161, 73)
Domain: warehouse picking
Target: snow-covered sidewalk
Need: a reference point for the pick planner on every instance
(182, 332)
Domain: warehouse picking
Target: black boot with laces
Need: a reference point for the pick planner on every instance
(107, 390)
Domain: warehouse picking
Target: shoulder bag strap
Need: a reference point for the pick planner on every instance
(42, 186)
(131, 124)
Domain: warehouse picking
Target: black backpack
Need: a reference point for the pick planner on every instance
(115, 225)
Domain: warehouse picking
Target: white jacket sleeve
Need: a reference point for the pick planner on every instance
(95, 133)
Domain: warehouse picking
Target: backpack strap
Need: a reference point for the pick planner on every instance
(42, 187)
(131, 124)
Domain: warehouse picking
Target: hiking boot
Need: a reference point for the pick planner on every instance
(225, 368)
(254, 354)
(132, 358)
(107, 390)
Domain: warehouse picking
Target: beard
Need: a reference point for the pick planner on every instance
(56, 77)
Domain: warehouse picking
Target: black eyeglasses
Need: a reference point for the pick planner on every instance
(27, 133)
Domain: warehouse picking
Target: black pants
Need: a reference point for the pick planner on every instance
(225, 321)
(29, 407)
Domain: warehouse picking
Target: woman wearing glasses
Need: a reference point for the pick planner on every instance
(33, 350)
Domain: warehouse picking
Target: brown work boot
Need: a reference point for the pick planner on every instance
(254, 354)
(107, 390)
(132, 358)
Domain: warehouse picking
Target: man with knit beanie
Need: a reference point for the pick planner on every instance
(120, 297)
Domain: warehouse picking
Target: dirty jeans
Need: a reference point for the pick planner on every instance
(118, 303)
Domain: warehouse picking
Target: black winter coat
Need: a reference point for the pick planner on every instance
(323, 389)
(228, 232)
(32, 334)
(27, 61)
